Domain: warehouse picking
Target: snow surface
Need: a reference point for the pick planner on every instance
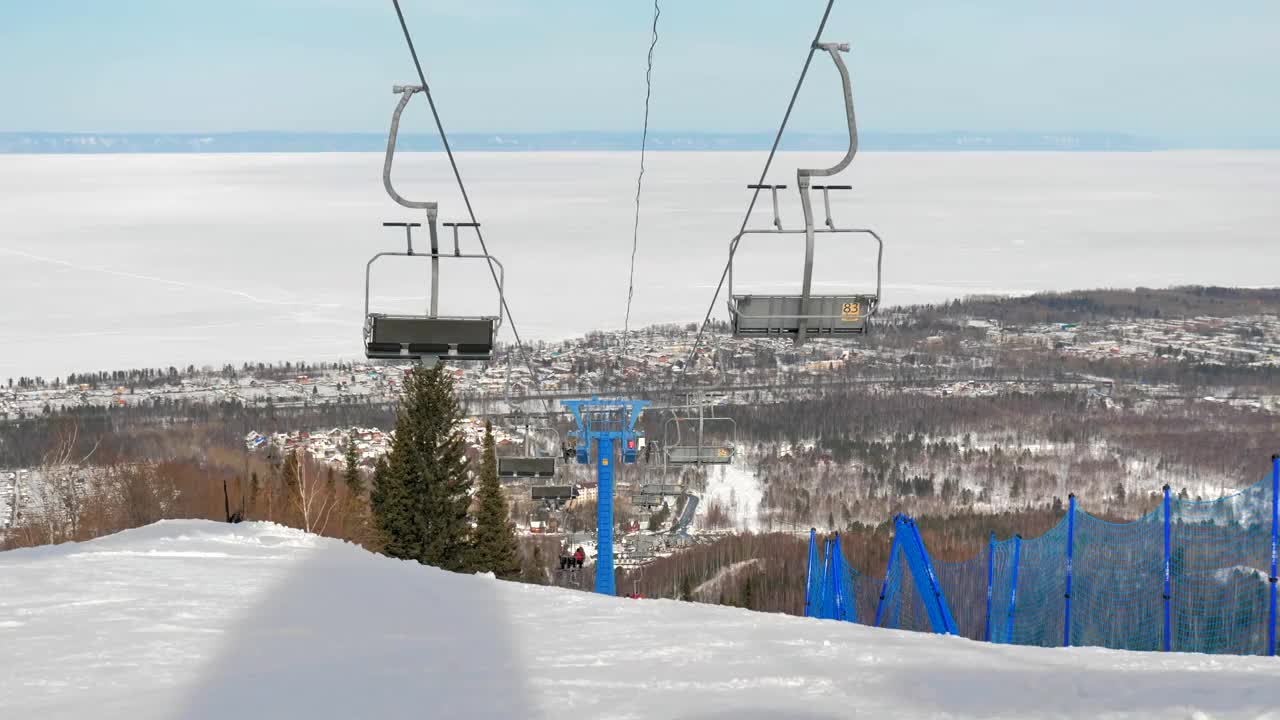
(158, 260)
(738, 490)
(194, 619)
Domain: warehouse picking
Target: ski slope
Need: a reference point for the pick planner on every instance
(739, 491)
(193, 619)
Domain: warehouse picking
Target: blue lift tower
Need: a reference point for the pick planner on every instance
(602, 424)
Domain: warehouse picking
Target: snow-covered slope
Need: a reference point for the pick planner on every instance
(202, 620)
(738, 491)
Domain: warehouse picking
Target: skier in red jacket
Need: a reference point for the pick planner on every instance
(579, 556)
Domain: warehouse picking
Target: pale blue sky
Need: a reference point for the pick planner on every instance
(1179, 70)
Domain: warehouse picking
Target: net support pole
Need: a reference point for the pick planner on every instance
(1275, 548)
(808, 576)
(824, 607)
(1071, 541)
(888, 573)
(1167, 644)
(837, 578)
(991, 576)
(1013, 589)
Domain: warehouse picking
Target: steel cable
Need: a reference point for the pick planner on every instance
(466, 199)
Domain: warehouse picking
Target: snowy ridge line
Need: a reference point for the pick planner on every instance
(1189, 576)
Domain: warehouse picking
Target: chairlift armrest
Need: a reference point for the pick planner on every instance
(401, 224)
(766, 187)
(832, 187)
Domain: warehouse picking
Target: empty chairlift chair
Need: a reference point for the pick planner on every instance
(526, 467)
(529, 464)
(402, 336)
(700, 450)
(806, 315)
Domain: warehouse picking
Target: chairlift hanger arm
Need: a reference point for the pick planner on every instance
(406, 93)
(803, 174)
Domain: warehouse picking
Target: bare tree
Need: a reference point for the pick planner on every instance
(312, 497)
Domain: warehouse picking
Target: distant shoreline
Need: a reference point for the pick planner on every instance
(90, 143)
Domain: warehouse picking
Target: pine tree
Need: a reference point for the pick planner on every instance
(422, 492)
(355, 482)
(494, 543)
(255, 486)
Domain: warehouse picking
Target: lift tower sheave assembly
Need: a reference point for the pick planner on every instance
(603, 424)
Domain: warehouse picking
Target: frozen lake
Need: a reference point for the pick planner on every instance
(122, 261)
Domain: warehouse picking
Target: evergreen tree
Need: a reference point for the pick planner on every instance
(355, 482)
(686, 588)
(255, 486)
(422, 492)
(747, 599)
(494, 543)
(532, 570)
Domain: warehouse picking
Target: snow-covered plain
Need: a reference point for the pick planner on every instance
(119, 261)
(192, 619)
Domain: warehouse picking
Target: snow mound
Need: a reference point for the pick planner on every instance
(193, 619)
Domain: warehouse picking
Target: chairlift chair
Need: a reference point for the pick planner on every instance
(808, 315)
(400, 336)
(700, 452)
(529, 464)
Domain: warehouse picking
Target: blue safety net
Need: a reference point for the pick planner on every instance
(1220, 562)
(964, 585)
(1003, 601)
(902, 607)
(833, 583)
(1190, 576)
(1118, 583)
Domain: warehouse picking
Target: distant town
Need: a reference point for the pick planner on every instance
(655, 359)
(948, 356)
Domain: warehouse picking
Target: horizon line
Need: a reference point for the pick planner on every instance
(323, 141)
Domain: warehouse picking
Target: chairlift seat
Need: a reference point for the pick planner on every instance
(392, 337)
(764, 315)
(707, 455)
(526, 467)
(660, 489)
(552, 492)
(646, 501)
